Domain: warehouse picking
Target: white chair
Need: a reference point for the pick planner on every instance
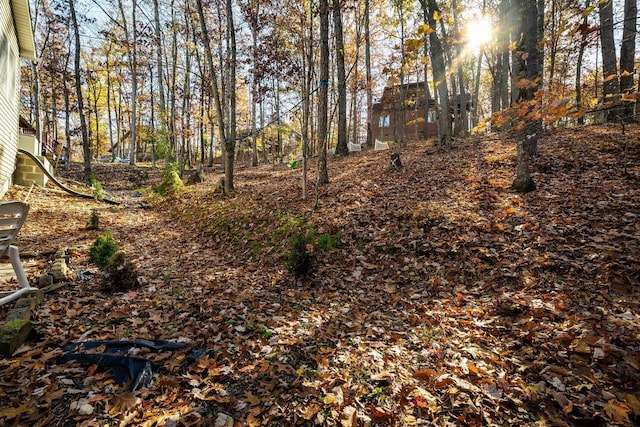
(354, 147)
(381, 145)
(12, 216)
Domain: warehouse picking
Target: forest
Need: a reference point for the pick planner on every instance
(257, 81)
(329, 212)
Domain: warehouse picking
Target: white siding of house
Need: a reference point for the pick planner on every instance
(9, 98)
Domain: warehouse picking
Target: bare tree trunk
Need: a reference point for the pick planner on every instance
(475, 118)
(230, 143)
(276, 94)
(341, 148)
(583, 44)
(611, 85)
(527, 69)
(86, 145)
(171, 123)
(212, 77)
(254, 87)
(36, 100)
(462, 103)
(306, 102)
(186, 112)
(67, 119)
(323, 173)
(162, 106)
(627, 54)
(367, 53)
(427, 91)
(554, 38)
(403, 88)
(109, 113)
(134, 87)
(429, 7)
(133, 64)
(502, 66)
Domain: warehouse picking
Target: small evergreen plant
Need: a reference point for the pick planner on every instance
(96, 187)
(93, 223)
(102, 251)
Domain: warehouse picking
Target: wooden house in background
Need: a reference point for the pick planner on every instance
(16, 41)
(387, 114)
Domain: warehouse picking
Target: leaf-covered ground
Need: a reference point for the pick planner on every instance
(449, 300)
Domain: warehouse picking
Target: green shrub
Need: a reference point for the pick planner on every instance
(162, 147)
(324, 242)
(96, 187)
(171, 183)
(93, 223)
(305, 246)
(102, 251)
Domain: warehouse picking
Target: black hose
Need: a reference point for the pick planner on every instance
(61, 185)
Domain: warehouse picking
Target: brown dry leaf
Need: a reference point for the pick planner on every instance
(310, 411)
(633, 402)
(11, 413)
(425, 374)
(252, 399)
(617, 411)
(349, 417)
(124, 402)
(379, 415)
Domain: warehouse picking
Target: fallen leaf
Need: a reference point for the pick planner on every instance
(617, 411)
(349, 417)
(11, 413)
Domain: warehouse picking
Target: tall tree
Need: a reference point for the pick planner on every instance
(252, 10)
(501, 87)
(131, 43)
(86, 145)
(230, 142)
(213, 80)
(431, 15)
(367, 55)
(584, 31)
(341, 147)
(627, 54)
(400, 10)
(162, 105)
(307, 51)
(527, 73)
(460, 107)
(323, 92)
(611, 84)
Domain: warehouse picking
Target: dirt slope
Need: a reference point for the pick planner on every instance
(449, 300)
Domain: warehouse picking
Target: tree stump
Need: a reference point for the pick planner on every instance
(196, 177)
(396, 163)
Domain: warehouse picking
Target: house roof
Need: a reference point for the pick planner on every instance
(22, 21)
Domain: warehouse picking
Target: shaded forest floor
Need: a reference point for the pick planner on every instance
(449, 300)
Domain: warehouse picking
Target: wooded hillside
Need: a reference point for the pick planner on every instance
(436, 295)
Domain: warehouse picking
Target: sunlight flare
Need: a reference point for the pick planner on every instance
(478, 33)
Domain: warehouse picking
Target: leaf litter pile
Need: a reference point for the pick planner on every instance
(441, 298)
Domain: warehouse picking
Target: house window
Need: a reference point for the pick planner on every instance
(4, 63)
(383, 121)
(11, 75)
